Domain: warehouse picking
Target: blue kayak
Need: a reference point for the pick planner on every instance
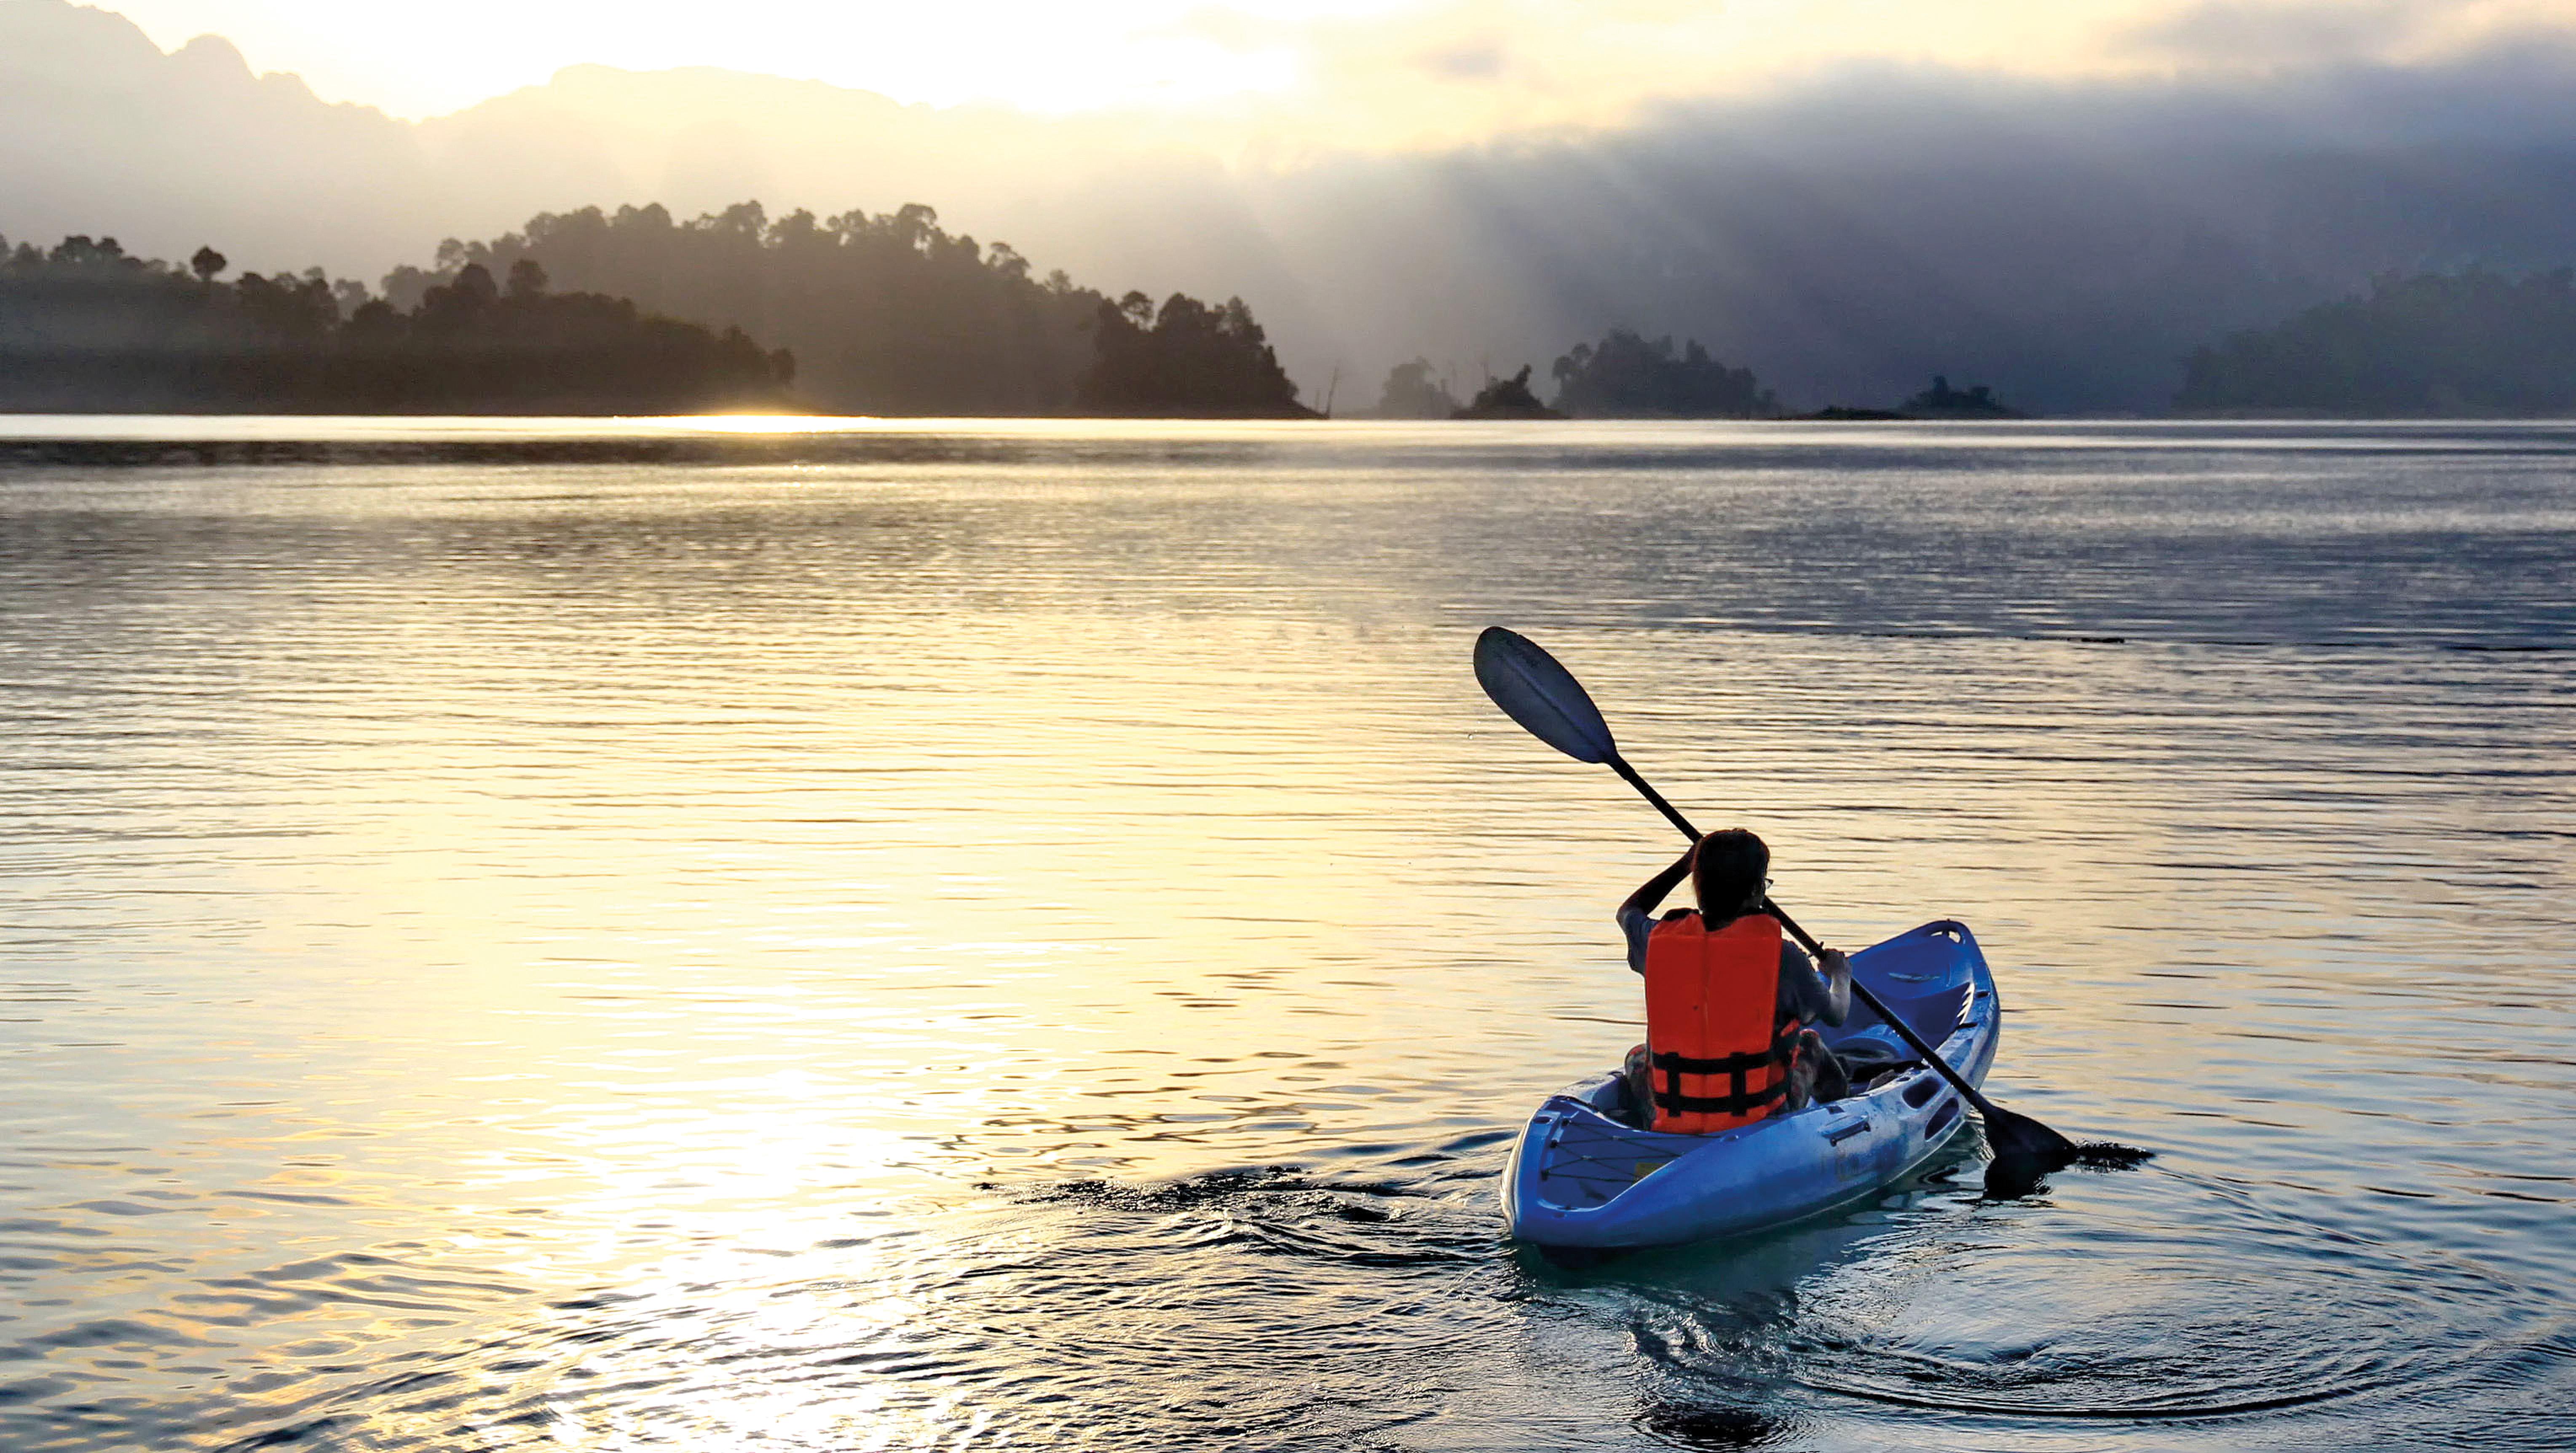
(1582, 1177)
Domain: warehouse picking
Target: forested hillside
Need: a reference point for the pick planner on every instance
(891, 314)
(2473, 342)
(86, 328)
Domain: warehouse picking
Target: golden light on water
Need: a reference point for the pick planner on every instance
(755, 424)
(673, 951)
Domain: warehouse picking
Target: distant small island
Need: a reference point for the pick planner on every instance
(1629, 376)
(1506, 398)
(1624, 376)
(1410, 392)
(1940, 401)
(1846, 414)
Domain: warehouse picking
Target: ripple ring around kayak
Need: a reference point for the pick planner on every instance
(2200, 1338)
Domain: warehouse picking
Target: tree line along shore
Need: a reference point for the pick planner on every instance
(86, 328)
(630, 313)
(593, 312)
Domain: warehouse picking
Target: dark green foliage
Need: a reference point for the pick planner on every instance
(891, 314)
(1507, 398)
(87, 328)
(1941, 401)
(1628, 377)
(1185, 358)
(2474, 342)
(1412, 393)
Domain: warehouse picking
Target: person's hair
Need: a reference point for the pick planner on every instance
(1728, 870)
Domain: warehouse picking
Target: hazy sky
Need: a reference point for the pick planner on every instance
(1336, 70)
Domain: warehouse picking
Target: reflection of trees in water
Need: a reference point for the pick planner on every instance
(87, 327)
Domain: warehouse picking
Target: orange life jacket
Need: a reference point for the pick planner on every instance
(1720, 1052)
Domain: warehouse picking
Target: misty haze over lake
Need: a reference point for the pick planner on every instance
(1846, 236)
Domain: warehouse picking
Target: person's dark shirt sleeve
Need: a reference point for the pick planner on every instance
(1636, 924)
(1804, 994)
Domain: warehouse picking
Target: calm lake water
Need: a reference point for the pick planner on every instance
(1007, 935)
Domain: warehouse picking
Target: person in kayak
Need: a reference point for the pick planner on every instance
(1728, 998)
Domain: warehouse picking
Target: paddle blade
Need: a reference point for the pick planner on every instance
(1532, 689)
(2018, 1137)
(2025, 1151)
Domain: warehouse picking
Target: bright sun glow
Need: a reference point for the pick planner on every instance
(1367, 71)
(756, 424)
(1036, 56)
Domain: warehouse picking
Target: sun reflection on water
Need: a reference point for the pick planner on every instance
(1052, 948)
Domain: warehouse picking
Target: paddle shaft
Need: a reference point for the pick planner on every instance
(1903, 1030)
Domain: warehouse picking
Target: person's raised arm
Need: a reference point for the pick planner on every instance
(1836, 969)
(1650, 894)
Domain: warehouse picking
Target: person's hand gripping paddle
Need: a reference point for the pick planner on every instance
(1535, 690)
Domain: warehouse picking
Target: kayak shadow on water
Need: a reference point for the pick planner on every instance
(1714, 1328)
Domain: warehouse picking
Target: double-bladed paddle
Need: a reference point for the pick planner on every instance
(1535, 690)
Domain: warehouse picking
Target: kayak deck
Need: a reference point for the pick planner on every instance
(1582, 1177)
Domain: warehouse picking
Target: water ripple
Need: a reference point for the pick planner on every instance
(540, 934)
